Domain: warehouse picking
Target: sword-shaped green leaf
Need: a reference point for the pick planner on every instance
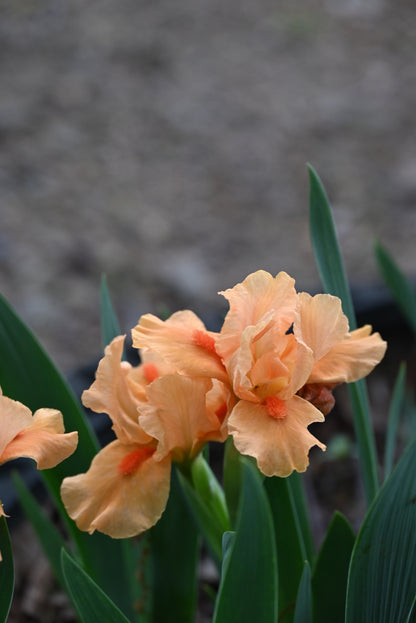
(382, 575)
(90, 601)
(331, 269)
(329, 579)
(248, 590)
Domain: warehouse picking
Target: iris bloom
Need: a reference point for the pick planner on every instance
(39, 436)
(284, 353)
(158, 416)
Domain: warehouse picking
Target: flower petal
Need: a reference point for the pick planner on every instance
(350, 359)
(320, 322)
(14, 417)
(43, 440)
(114, 502)
(112, 393)
(258, 295)
(279, 445)
(177, 416)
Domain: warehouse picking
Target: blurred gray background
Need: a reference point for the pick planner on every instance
(164, 143)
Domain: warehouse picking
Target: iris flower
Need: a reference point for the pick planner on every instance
(281, 348)
(159, 416)
(39, 436)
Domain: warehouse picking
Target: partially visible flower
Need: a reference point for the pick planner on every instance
(40, 436)
(284, 353)
(158, 416)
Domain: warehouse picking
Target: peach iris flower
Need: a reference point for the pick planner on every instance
(277, 344)
(39, 436)
(158, 416)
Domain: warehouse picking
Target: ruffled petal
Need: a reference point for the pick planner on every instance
(112, 393)
(43, 440)
(116, 501)
(259, 294)
(182, 341)
(177, 416)
(280, 446)
(351, 359)
(320, 322)
(14, 417)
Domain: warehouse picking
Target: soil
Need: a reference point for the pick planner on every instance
(165, 145)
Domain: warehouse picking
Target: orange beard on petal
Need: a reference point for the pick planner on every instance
(202, 339)
(276, 407)
(132, 461)
(320, 395)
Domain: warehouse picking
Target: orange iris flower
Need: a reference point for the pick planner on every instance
(158, 416)
(277, 346)
(39, 436)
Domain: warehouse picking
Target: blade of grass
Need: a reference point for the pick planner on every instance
(331, 270)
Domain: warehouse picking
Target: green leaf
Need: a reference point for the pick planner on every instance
(6, 571)
(329, 580)
(248, 588)
(90, 601)
(290, 543)
(27, 374)
(207, 507)
(49, 536)
(331, 270)
(303, 612)
(232, 477)
(175, 549)
(326, 248)
(396, 406)
(401, 288)
(110, 327)
(382, 576)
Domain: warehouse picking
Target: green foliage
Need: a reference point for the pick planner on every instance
(382, 576)
(396, 407)
(91, 603)
(303, 612)
(6, 571)
(249, 589)
(334, 280)
(402, 290)
(175, 550)
(290, 542)
(49, 536)
(329, 579)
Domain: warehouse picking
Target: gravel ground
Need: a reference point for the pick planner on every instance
(164, 143)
